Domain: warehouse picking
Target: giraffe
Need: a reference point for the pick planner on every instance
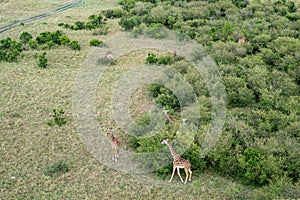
(115, 143)
(242, 39)
(109, 55)
(178, 163)
(171, 120)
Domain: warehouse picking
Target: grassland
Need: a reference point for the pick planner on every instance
(29, 145)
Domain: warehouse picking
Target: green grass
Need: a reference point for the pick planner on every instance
(28, 145)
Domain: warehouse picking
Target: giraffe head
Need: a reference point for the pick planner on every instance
(165, 111)
(109, 55)
(110, 132)
(165, 141)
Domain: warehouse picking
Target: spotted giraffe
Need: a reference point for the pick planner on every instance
(178, 163)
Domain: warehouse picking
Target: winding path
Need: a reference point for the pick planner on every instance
(40, 16)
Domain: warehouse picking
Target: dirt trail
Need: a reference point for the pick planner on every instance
(40, 16)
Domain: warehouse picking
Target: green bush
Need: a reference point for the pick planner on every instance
(163, 96)
(42, 60)
(57, 169)
(25, 37)
(44, 37)
(33, 44)
(93, 22)
(95, 42)
(127, 4)
(240, 3)
(252, 162)
(128, 23)
(78, 25)
(75, 45)
(113, 13)
(152, 58)
(64, 40)
(58, 118)
(10, 50)
(49, 39)
(167, 59)
(238, 94)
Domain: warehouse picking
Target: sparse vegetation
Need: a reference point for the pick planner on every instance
(93, 22)
(58, 118)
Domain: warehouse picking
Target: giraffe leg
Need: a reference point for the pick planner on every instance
(113, 155)
(179, 174)
(187, 175)
(190, 179)
(172, 174)
(116, 155)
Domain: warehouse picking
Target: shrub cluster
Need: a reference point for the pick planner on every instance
(113, 13)
(93, 22)
(10, 50)
(47, 40)
(166, 59)
(260, 140)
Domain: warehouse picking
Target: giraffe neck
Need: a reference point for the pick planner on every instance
(113, 138)
(169, 118)
(173, 153)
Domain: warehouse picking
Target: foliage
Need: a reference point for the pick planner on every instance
(46, 37)
(42, 60)
(10, 50)
(128, 23)
(95, 42)
(75, 45)
(93, 22)
(47, 40)
(25, 37)
(164, 96)
(56, 169)
(152, 58)
(113, 13)
(64, 40)
(58, 118)
(261, 77)
(166, 59)
(252, 162)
